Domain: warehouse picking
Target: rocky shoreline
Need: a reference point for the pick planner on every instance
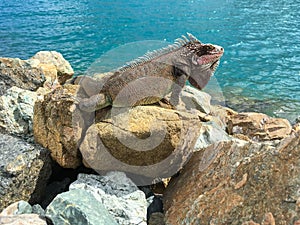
(198, 164)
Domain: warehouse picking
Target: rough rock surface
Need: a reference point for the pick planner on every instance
(57, 125)
(17, 208)
(78, 207)
(259, 127)
(156, 219)
(211, 133)
(16, 111)
(119, 195)
(22, 207)
(24, 219)
(24, 74)
(145, 140)
(54, 65)
(24, 170)
(237, 182)
(195, 99)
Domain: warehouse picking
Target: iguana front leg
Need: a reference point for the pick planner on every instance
(177, 88)
(94, 102)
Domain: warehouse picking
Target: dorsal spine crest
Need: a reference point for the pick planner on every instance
(179, 42)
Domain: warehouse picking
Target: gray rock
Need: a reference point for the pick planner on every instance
(21, 73)
(16, 111)
(17, 208)
(210, 133)
(37, 209)
(155, 204)
(24, 171)
(22, 207)
(53, 189)
(78, 207)
(119, 195)
(195, 99)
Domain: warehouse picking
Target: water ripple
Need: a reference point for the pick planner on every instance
(261, 38)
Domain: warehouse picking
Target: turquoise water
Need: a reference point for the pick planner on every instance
(260, 70)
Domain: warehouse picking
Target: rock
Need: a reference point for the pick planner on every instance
(221, 115)
(78, 207)
(17, 208)
(54, 188)
(119, 195)
(233, 182)
(210, 134)
(24, 219)
(20, 73)
(296, 127)
(37, 209)
(54, 65)
(58, 125)
(24, 171)
(156, 219)
(16, 111)
(146, 140)
(155, 206)
(195, 99)
(22, 207)
(259, 127)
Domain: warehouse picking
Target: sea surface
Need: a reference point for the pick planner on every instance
(260, 70)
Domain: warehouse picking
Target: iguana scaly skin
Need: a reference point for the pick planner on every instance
(150, 78)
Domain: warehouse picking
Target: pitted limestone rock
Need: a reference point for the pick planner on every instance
(58, 125)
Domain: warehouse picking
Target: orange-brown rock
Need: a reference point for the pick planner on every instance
(58, 125)
(147, 140)
(296, 127)
(236, 181)
(258, 126)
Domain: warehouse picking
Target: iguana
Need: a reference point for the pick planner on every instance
(151, 77)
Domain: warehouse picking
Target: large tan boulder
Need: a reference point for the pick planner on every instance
(146, 140)
(45, 68)
(54, 65)
(258, 126)
(58, 125)
(238, 182)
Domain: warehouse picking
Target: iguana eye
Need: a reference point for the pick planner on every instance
(209, 48)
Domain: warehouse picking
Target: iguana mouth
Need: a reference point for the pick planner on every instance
(215, 65)
(212, 57)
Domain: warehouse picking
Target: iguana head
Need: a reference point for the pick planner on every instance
(203, 61)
